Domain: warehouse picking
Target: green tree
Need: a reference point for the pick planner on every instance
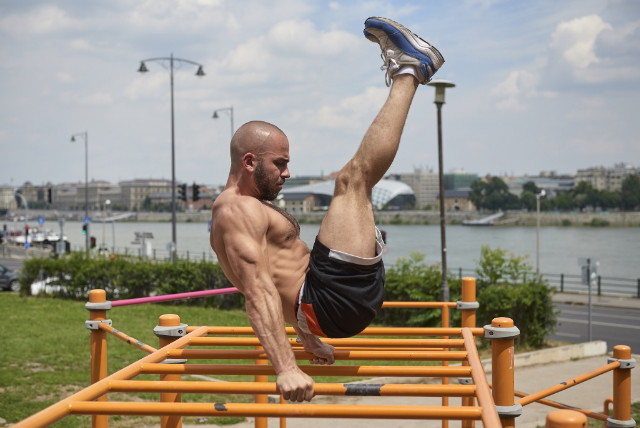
(493, 195)
(630, 194)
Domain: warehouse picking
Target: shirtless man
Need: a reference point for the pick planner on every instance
(336, 289)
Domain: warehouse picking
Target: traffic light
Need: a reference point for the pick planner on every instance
(195, 190)
(182, 192)
(93, 242)
(50, 194)
(84, 229)
(26, 230)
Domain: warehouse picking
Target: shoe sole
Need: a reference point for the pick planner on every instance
(407, 41)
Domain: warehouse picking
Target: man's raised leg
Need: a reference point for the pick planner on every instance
(409, 60)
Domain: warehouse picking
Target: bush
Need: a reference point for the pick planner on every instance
(126, 279)
(598, 222)
(503, 290)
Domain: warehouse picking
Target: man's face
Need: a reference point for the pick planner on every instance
(272, 170)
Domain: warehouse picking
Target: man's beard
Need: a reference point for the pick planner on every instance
(268, 191)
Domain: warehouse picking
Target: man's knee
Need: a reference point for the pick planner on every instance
(352, 178)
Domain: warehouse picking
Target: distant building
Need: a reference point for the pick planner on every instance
(457, 200)
(424, 184)
(387, 194)
(458, 180)
(610, 179)
(134, 192)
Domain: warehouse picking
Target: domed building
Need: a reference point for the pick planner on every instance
(386, 195)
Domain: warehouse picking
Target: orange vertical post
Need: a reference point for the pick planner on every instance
(169, 329)
(622, 388)
(98, 307)
(502, 333)
(261, 422)
(566, 419)
(468, 307)
(445, 380)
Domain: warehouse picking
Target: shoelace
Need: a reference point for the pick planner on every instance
(390, 65)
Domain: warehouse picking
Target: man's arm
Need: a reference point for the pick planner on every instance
(243, 229)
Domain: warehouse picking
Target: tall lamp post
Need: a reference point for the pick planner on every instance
(538, 196)
(230, 110)
(440, 86)
(143, 69)
(85, 135)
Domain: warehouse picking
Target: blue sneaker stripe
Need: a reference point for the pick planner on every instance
(400, 41)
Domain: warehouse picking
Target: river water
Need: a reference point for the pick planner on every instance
(616, 249)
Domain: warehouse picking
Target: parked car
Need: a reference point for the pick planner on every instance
(9, 279)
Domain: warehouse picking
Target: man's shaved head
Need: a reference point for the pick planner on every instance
(252, 137)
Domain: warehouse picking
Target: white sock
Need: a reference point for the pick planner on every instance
(407, 69)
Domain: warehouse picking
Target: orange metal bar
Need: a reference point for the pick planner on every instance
(337, 389)
(126, 338)
(238, 369)
(60, 409)
(502, 362)
(621, 385)
(352, 343)
(557, 405)
(240, 354)
(567, 384)
(276, 410)
(468, 319)
(370, 331)
(566, 419)
(172, 421)
(419, 305)
(261, 422)
(445, 324)
(490, 417)
(98, 346)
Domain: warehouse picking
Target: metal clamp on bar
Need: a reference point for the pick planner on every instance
(174, 361)
(467, 305)
(94, 325)
(491, 332)
(624, 364)
(465, 381)
(98, 306)
(615, 423)
(170, 331)
(509, 411)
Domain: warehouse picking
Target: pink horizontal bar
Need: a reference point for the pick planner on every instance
(178, 296)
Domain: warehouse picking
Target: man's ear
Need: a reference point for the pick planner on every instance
(249, 161)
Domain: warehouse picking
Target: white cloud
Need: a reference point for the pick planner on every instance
(576, 40)
(43, 20)
(519, 84)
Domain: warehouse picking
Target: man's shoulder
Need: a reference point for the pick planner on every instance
(229, 205)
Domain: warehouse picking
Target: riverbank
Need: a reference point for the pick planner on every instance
(419, 217)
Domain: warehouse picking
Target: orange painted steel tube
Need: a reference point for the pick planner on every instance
(335, 389)
(261, 422)
(557, 405)
(128, 339)
(172, 421)
(60, 409)
(239, 369)
(445, 362)
(98, 349)
(277, 410)
(370, 331)
(419, 305)
(621, 385)
(567, 384)
(490, 417)
(352, 343)
(502, 366)
(468, 319)
(239, 354)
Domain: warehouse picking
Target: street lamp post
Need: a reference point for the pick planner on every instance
(143, 69)
(85, 135)
(538, 196)
(230, 110)
(440, 86)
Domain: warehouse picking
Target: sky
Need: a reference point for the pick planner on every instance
(541, 85)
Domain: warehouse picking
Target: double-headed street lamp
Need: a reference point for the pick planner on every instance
(440, 86)
(85, 135)
(230, 110)
(143, 69)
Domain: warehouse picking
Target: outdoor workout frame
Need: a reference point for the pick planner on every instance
(495, 407)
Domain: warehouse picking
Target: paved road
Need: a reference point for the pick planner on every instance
(616, 326)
